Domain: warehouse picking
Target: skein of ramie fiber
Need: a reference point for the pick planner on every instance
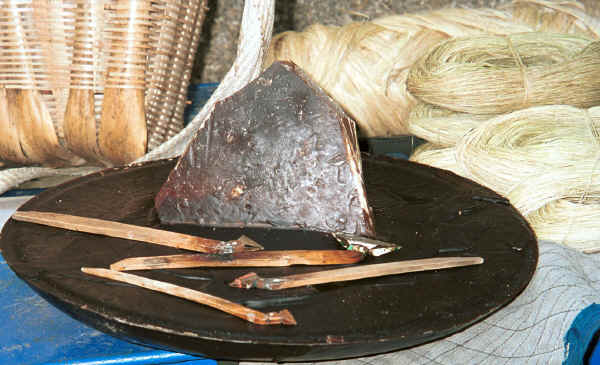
(364, 65)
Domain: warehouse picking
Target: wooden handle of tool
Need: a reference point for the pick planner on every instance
(127, 231)
(251, 315)
(251, 280)
(241, 259)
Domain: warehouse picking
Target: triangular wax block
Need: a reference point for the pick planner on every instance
(278, 153)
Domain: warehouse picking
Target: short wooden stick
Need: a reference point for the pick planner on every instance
(250, 315)
(252, 280)
(241, 259)
(137, 233)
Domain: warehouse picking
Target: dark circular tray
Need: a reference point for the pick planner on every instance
(430, 212)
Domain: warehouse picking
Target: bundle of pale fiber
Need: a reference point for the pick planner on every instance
(511, 112)
(544, 159)
(464, 81)
(364, 66)
(499, 74)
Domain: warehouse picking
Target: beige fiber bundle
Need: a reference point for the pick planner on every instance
(559, 16)
(364, 65)
(499, 74)
(563, 205)
(441, 126)
(569, 221)
(437, 156)
(511, 148)
(578, 183)
(545, 160)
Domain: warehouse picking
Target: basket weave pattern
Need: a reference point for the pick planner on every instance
(56, 54)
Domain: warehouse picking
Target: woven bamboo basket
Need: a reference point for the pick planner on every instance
(93, 81)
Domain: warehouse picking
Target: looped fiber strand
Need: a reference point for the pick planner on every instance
(499, 74)
(364, 65)
(545, 160)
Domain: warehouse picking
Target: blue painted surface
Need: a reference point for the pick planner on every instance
(21, 192)
(581, 335)
(198, 95)
(595, 356)
(142, 358)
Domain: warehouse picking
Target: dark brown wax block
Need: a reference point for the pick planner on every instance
(281, 153)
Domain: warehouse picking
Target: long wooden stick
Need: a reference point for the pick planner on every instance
(137, 233)
(241, 259)
(282, 317)
(252, 280)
